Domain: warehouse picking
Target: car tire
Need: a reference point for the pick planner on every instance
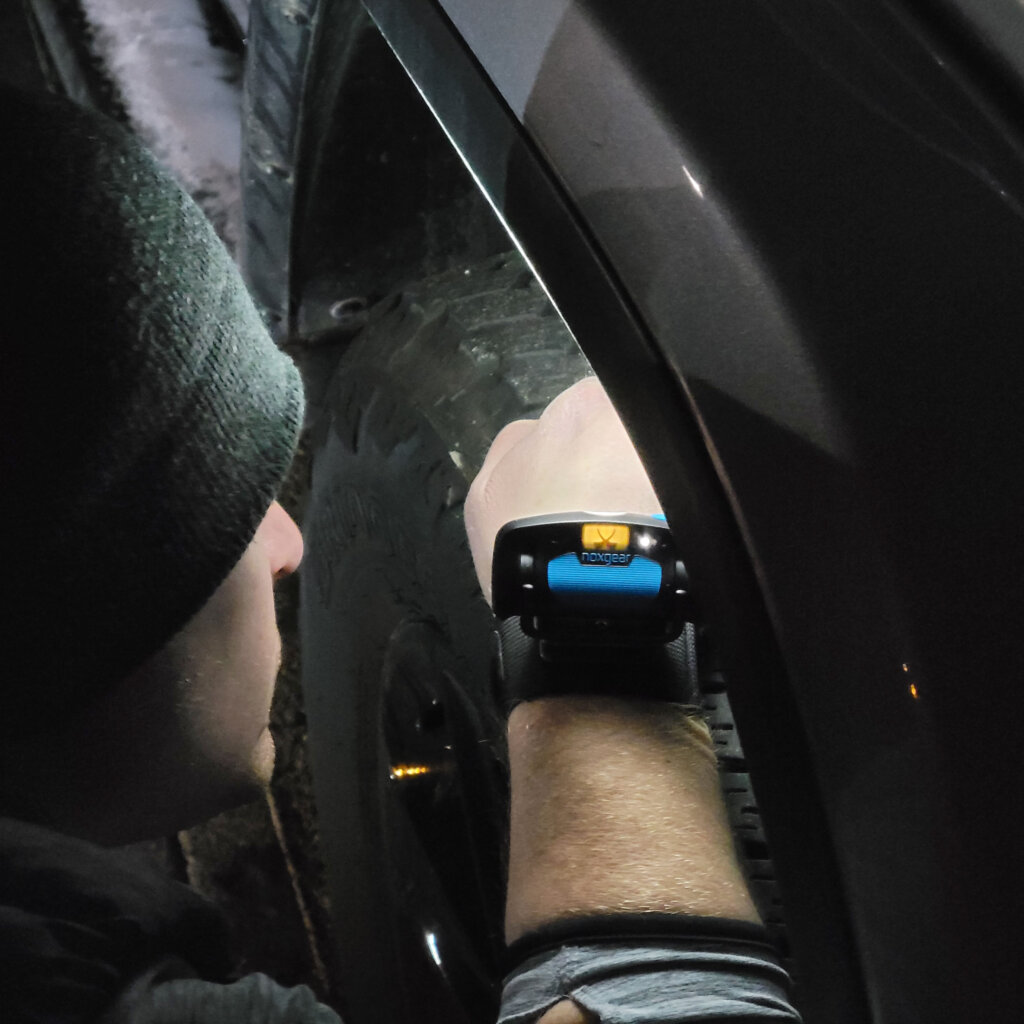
(406, 739)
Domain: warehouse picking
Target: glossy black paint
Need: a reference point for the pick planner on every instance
(790, 238)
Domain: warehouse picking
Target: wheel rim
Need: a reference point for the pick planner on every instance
(445, 804)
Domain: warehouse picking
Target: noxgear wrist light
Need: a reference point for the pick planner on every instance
(593, 604)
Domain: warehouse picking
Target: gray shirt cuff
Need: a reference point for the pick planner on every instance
(651, 983)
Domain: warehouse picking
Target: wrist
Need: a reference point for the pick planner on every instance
(538, 728)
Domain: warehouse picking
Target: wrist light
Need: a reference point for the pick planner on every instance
(585, 580)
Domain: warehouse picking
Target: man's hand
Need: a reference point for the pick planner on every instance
(576, 457)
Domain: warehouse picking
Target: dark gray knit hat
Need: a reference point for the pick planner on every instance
(148, 419)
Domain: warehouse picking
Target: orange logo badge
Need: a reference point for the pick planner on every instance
(605, 537)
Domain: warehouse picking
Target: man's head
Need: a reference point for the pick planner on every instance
(147, 422)
(180, 738)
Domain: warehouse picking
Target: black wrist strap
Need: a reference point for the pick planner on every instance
(663, 672)
(627, 929)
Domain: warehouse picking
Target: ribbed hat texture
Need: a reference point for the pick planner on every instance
(147, 420)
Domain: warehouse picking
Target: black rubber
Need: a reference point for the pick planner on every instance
(277, 50)
(740, 802)
(471, 349)
(406, 737)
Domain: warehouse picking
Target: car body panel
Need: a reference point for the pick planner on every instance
(814, 218)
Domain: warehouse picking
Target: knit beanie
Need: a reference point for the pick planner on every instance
(147, 421)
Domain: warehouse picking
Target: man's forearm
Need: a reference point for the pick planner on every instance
(616, 807)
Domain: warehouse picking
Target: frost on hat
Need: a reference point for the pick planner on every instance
(148, 419)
